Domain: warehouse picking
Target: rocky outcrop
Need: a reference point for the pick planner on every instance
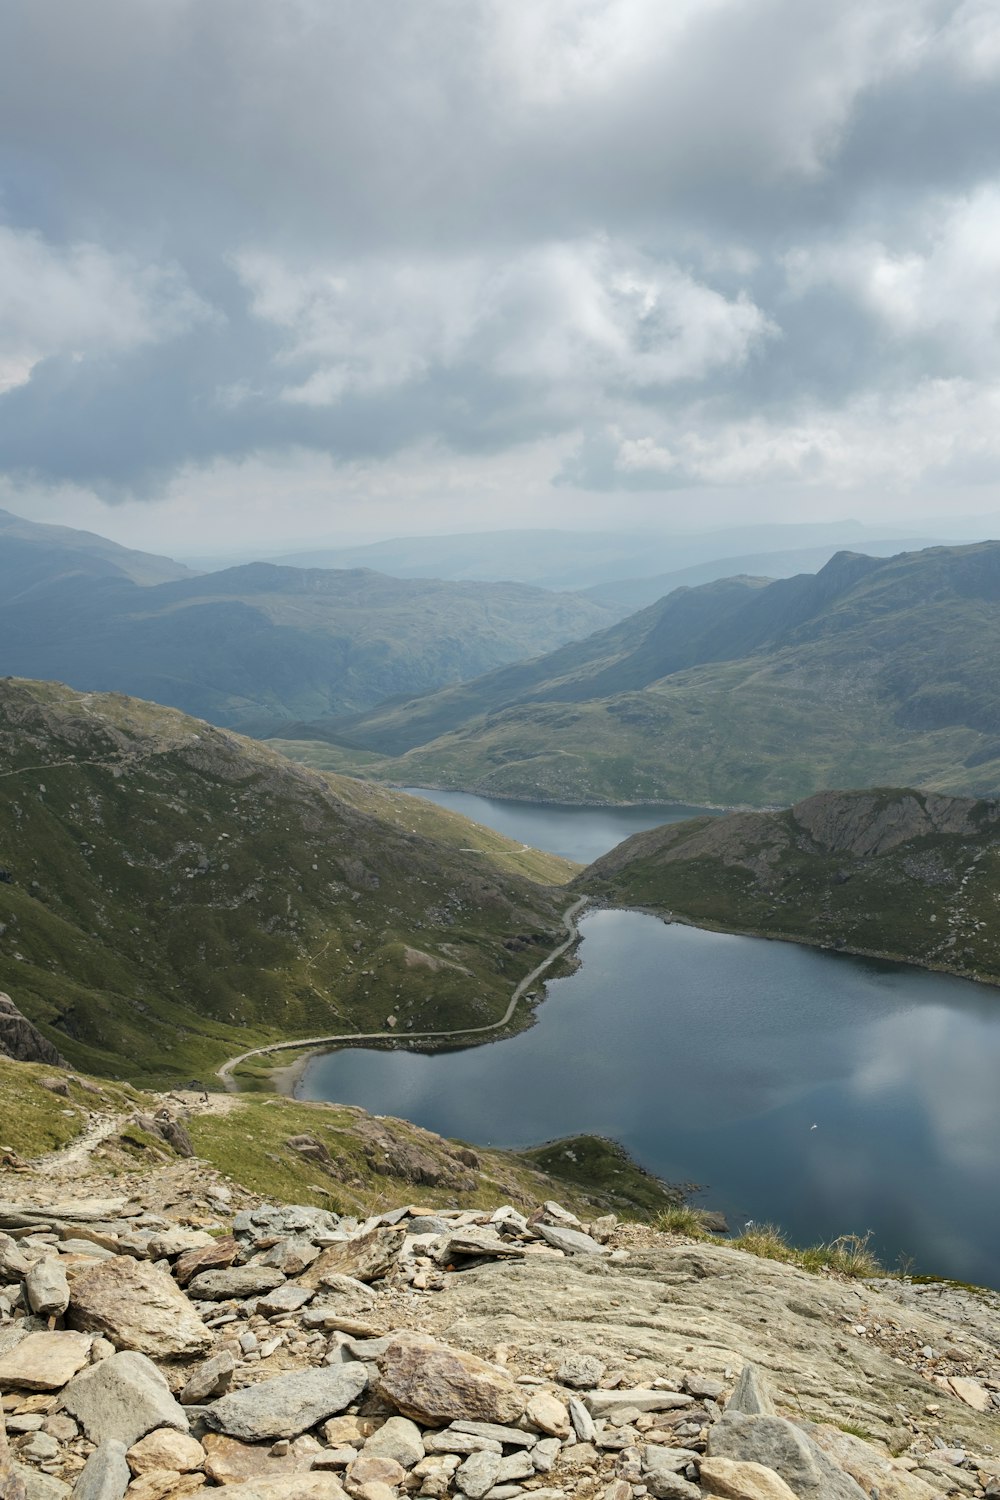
(21, 1040)
(487, 1355)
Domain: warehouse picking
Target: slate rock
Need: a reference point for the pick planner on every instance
(47, 1287)
(435, 1384)
(604, 1403)
(313, 1486)
(509, 1436)
(218, 1255)
(778, 1444)
(398, 1438)
(751, 1395)
(292, 1255)
(365, 1258)
(210, 1378)
(38, 1486)
(165, 1448)
(370, 1468)
(570, 1241)
(137, 1307)
(581, 1371)
(289, 1404)
(105, 1475)
(731, 1480)
(583, 1422)
(479, 1473)
(123, 1397)
(231, 1462)
(43, 1361)
(11, 1484)
(284, 1299)
(236, 1281)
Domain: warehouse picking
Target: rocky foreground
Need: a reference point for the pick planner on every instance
(285, 1351)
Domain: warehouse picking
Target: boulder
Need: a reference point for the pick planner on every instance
(570, 1241)
(435, 1384)
(219, 1254)
(229, 1461)
(137, 1307)
(314, 1486)
(236, 1281)
(210, 1378)
(43, 1361)
(478, 1474)
(165, 1448)
(105, 1475)
(123, 1397)
(47, 1287)
(22, 1041)
(777, 1444)
(398, 1438)
(365, 1259)
(548, 1414)
(730, 1480)
(289, 1404)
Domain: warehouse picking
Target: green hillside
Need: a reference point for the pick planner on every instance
(171, 894)
(892, 872)
(258, 648)
(871, 671)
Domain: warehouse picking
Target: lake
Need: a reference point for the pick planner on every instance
(822, 1092)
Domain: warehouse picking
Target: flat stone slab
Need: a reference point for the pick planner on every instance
(289, 1404)
(44, 1361)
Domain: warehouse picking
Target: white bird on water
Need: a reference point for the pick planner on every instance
(813, 1127)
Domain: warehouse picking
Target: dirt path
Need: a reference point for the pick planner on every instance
(77, 1153)
(572, 933)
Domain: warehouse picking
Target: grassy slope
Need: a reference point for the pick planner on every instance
(871, 672)
(179, 894)
(891, 872)
(374, 1164)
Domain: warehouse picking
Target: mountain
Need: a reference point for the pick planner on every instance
(871, 671)
(260, 646)
(898, 873)
(584, 559)
(630, 594)
(171, 894)
(54, 551)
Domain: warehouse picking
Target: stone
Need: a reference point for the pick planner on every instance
(38, 1486)
(175, 1241)
(466, 1244)
(569, 1241)
(165, 1484)
(435, 1384)
(364, 1259)
(666, 1484)
(123, 1397)
(61, 1427)
(399, 1439)
(219, 1254)
(235, 1281)
(583, 1422)
(548, 1414)
(210, 1378)
(313, 1486)
(229, 1461)
(137, 1307)
(508, 1436)
(376, 1491)
(581, 1371)
(970, 1391)
(743, 1481)
(11, 1484)
(47, 1287)
(450, 1441)
(14, 1265)
(38, 1447)
(166, 1448)
(603, 1228)
(479, 1473)
(606, 1403)
(370, 1468)
(284, 1299)
(703, 1387)
(289, 1404)
(105, 1475)
(292, 1255)
(524, 1465)
(777, 1444)
(751, 1395)
(44, 1361)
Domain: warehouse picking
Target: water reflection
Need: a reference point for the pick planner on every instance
(712, 1058)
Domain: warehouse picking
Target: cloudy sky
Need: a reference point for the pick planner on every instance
(335, 268)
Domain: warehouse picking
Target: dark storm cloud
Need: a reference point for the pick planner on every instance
(715, 240)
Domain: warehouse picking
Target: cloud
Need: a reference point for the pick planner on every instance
(712, 244)
(81, 300)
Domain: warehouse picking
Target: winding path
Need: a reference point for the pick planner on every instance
(572, 933)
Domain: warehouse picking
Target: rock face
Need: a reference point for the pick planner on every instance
(22, 1041)
(137, 1307)
(435, 1384)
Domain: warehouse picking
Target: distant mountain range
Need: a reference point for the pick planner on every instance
(871, 671)
(258, 646)
(589, 560)
(892, 872)
(171, 894)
